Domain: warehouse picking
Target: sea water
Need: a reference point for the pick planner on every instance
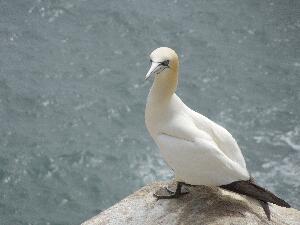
(72, 96)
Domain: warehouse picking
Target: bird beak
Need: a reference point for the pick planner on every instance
(153, 68)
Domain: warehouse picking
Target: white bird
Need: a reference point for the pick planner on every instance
(199, 151)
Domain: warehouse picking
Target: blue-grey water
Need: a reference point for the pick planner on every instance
(72, 96)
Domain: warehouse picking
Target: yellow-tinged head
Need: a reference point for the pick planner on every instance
(163, 60)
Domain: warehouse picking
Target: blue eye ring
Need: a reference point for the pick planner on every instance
(165, 63)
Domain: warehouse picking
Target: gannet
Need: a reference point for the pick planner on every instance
(198, 150)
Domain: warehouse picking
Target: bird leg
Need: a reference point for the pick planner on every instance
(169, 192)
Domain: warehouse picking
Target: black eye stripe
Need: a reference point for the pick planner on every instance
(165, 63)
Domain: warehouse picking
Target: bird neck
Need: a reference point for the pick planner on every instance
(164, 86)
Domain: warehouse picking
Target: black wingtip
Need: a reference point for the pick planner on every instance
(270, 197)
(266, 209)
(283, 204)
(251, 189)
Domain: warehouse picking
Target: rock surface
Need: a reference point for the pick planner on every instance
(203, 205)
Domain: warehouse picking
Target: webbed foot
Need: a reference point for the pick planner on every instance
(171, 191)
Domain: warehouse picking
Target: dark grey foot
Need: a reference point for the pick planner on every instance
(171, 192)
(163, 193)
(172, 189)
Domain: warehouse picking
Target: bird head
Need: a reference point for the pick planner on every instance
(163, 60)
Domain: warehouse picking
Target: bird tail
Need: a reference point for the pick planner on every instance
(251, 189)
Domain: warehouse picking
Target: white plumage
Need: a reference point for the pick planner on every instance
(199, 151)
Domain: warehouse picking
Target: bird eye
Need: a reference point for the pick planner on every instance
(165, 63)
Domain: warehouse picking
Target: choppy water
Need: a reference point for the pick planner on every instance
(72, 96)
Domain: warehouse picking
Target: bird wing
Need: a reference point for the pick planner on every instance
(199, 161)
(222, 138)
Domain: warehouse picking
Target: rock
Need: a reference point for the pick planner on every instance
(203, 205)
